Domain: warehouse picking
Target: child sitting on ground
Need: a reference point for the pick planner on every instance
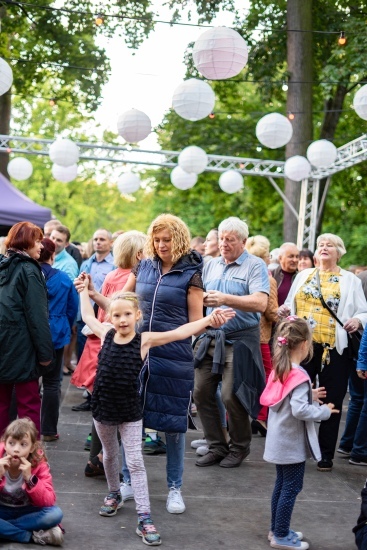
(27, 498)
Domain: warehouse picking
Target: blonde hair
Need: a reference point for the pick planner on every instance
(25, 426)
(127, 247)
(179, 232)
(258, 246)
(289, 334)
(129, 296)
(335, 240)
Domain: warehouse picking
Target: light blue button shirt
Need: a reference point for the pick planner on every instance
(244, 276)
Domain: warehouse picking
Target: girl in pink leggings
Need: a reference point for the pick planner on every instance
(116, 397)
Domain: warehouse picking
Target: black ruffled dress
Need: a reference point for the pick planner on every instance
(115, 397)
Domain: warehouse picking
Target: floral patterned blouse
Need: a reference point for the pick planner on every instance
(309, 307)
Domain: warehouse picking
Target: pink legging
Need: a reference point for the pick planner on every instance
(28, 402)
(131, 440)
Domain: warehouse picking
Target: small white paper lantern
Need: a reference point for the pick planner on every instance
(182, 180)
(231, 181)
(274, 130)
(193, 99)
(64, 152)
(128, 183)
(360, 102)
(134, 125)
(6, 76)
(322, 153)
(65, 174)
(297, 168)
(220, 53)
(193, 159)
(20, 168)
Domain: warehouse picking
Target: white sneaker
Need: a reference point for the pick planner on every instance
(126, 491)
(203, 450)
(198, 443)
(175, 503)
(53, 536)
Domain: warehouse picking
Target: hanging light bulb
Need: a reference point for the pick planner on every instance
(342, 39)
(52, 101)
(99, 20)
(291, 116)
(212, 115)
(284, 87)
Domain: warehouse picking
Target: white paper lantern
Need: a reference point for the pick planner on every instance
(220, 53)
(182, 180)
(360, 102)
(231, 181)
(274, 130)
(322, 153)
(193, 99)
(20, 168)
(134, 125)
(193, 159)
(65, 174)
(6, 76)
(64, 152)
(128, 183)
(297, 168)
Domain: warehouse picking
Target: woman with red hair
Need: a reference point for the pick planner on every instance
(25, 337)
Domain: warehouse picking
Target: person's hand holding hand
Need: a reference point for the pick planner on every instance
(283, 311)
(214, 298)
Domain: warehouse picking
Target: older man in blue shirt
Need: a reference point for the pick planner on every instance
(238, 280)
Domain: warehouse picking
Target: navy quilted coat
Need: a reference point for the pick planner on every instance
(170, 380)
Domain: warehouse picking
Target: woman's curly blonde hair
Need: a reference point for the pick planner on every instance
(179, 232)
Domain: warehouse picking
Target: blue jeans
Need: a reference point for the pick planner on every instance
(175, 444)
(354, 438)
(288, 484)
(18, 523)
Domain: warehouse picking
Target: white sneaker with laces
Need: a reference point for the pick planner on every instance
(54, 536)
(203, 450)
(175, 503)
(198, 443)
(126, 491)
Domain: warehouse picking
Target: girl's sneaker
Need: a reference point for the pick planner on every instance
(147, 531)
(289, 542)
(298, 533)
(54, 536)
(112, 503)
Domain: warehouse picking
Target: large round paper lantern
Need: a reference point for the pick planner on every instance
(193, 159)
(297, 168)
(182, 180)
(20, 168)
(64, 173)
(231, 181)
(64, 152)
(128, 183)
(6, 76)
(274, 130)
(193, 99)
(322, 153)
(360, 102)
(220, 53)
(134, 125)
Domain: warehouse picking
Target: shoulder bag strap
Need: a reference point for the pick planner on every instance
(323, 301)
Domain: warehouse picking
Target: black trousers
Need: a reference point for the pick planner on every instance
(334, 377)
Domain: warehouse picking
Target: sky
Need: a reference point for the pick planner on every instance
(146, 79)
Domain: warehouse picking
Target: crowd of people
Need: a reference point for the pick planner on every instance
(273, 353)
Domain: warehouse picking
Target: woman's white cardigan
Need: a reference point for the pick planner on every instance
(352, 302)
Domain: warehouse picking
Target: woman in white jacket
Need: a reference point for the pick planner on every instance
(342, 292)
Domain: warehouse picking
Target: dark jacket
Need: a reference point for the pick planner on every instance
(278, 275)
(25, 336)
(170, 367)
(63, 304)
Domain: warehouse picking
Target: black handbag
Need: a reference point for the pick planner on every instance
(354, 338)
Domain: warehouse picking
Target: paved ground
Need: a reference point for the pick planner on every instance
(225, 508)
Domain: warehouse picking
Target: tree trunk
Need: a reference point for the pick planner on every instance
(299, 99)
(5, 113)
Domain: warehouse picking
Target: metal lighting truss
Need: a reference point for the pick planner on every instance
(348, 155)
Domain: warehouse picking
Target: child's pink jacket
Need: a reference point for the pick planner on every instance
(42, 494)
